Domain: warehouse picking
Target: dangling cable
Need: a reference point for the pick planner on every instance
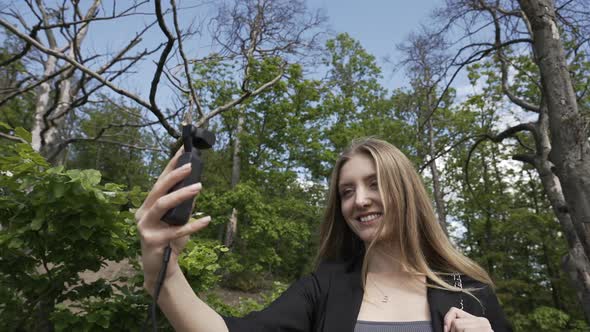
(152, 315)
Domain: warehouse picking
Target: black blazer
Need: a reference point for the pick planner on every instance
(330, 300)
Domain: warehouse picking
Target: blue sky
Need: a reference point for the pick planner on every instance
(377, 24)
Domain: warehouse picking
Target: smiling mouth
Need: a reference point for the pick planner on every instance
(368, 218)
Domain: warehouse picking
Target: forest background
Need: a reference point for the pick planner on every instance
(507, 160)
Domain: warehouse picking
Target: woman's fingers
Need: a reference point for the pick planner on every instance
(194, 225)
(168, 201)
(459, 320)
(159, 236)
(151, 197)
(452, 315)
(165, 182)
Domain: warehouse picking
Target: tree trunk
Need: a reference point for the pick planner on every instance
(232, 224)
(436, 186)
(570, 147)
(43, 311)
(488, 227)
(231, 228)
(42, 105)
(570, 153)
(56, 120)
(50, 118)
(575, 263)
(553, 275)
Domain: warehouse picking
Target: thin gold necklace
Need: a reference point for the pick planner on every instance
(385, 298)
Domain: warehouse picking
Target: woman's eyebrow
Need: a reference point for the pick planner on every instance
(371, 176)
(344, 184)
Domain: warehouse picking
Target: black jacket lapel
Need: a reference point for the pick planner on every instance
(440, 302)
(345, 298)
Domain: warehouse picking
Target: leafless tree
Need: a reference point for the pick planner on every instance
(491, 30)
(68, 73)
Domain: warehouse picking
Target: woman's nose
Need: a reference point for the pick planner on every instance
(362, 199)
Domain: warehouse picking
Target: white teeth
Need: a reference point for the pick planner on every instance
(369, 217)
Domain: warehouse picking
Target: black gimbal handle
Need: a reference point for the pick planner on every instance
(195, 139)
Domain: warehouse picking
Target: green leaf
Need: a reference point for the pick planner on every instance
(92, 317)
(112, 187)
(88, 221)
(5, 125)
(101, 197)
(23, 133)
(85, 232)
(90, 178)
(55, 170)
(74, 174)
(58, 189)
(37, 222)
(15, 243)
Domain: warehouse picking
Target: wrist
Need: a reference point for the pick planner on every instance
(150, 283)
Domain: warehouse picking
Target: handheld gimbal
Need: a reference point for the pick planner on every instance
(194, 140)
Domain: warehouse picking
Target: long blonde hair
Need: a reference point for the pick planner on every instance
(409, 220)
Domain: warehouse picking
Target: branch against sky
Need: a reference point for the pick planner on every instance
(71, 67)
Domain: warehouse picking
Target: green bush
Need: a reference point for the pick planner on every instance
(56, 223)
(199, 262)
(246, 305)
(548, 319)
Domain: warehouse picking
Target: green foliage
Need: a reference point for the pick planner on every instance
(548, 319)
(119, 312)
(118, 161)
(507, 224)
(18, 111)
(199, 262)
(277, 230)
(56, 224)
(247, 305)
(354, 104)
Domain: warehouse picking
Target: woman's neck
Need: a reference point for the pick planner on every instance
(385, 260)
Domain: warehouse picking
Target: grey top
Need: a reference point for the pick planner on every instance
(418, 326)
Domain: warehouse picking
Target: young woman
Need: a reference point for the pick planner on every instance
(384, 263)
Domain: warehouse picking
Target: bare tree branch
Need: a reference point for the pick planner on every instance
(12, 138)
(473, 58)
(160, 67)
(26, 49)
(67, 142)
(32, 86)
(191, 88)
(238, 100)
(500, 55)
(173, 132)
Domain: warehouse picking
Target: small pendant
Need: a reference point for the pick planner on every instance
(385, 299)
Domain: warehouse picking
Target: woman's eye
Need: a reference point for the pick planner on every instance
(346, 193)
(374, 185)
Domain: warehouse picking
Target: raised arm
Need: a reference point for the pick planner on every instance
(177, 300)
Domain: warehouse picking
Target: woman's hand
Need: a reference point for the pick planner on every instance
(457, 320)
(156, 234)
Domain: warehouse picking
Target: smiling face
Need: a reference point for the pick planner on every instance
(361, 203)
